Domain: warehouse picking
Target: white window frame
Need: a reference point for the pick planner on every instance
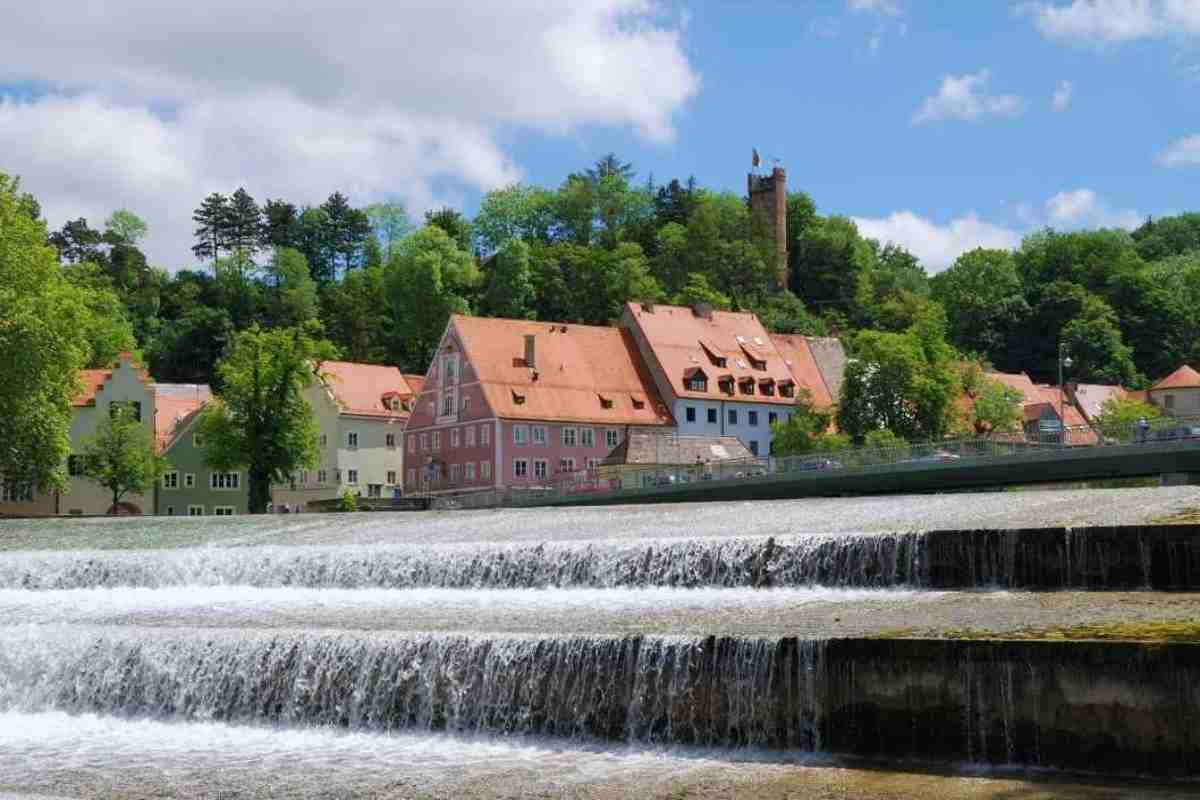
(541, 469)
(520, 468)
(437, 441)
(570, 436)
(485, 470)
(324, 440)
(224, 511)
(225, 481)
(22, 493)
(593, 463)
(539, 436)
(752, 418)
(391, 477)
(352, 440)
(455, 438)
(521, 435)
(469, 470)
(612, 438)
(456, 473)
(485, 434)
(352, 477)
(322, 477)
(192, 511)
(170, 511)
(470, 437)
(170, 480)
(412, 444)
(425, 442)
(389, 441)
(189, 480)
(587, 437)
(566, 464)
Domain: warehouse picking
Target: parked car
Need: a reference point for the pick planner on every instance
(819, 463)
(936, 457)
(1180, 432)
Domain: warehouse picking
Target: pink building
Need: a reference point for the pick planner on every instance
(519, 404)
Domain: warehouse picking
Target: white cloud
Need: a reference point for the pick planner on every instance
(1083, 208)
(937, 245)
(1062, 95)
(886, 8)
(152, 105)
(1182, 152)
(964, 97)
(1112, 21)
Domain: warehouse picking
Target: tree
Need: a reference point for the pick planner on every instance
(783, 312)
(426, 281)
(697, 290)
(358, 316)
(105, 328)
(518, 211)
(314, 237)
(1119, 417)
(126, 227)
(121, 457)
(510, 291)
(280, 220)
(833, 267)
(76, 242)
(609, 166)
(887, 441)
(260, 421)
(984, 299)
(210, 219)
(292, 295)
(803, 431)
(42, 348)
(243, 225)
(389, 223)
(348, 228)
(1168, 236)
(997, 408)
(456, 226)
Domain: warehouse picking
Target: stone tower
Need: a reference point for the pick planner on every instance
(768, 209)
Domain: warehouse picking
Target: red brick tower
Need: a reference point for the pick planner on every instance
(768, 209)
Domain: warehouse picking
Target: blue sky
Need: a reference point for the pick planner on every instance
(933, 124)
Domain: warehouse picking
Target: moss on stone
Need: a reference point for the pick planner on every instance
(1178, 630)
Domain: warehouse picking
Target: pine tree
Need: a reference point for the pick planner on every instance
(210, 219)
(243, 224)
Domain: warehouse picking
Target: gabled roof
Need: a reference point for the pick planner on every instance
(415, 382)
(682, 338)
(174, 406)
(798, 357)
(1183, 378)
(577, 369)
(359, 389)
(659, 447)
(1091, 397)
(91, 381)
(830, 356)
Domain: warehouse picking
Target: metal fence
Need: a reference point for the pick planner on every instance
(632, 481)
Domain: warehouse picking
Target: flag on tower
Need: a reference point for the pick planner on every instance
(754, 160)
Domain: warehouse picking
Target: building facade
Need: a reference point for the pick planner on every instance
(1178, 394)
(513, 404)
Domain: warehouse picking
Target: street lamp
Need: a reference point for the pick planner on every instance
(1064, 362)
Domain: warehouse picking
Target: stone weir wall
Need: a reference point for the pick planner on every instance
(1108, 708)
(1161, 557)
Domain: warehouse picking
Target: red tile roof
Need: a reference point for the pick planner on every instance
(90, 381)
(174, 405)
(360, 389)
(1091, 397)
(415, 382)
(1183, 378)
(681, 339)
(798, 357)
(580, 369)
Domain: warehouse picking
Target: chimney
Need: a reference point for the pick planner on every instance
(530, 355)
(703, 311)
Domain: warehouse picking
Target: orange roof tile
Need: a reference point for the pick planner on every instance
(415, 382)
(798, 357)
(1091, 397)
(174, 405)
(360, 388)
(578, 369)
(90, 382)
(680, 339)
(1183, 378)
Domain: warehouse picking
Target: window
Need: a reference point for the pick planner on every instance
(352, 439)
(390, 441)
(412, 476)
(223, 511)
(520, 435)
(1169, 401)
(787, 389)
(225, 481)
(470, 470)
(391, 477)
(133, 406)
(520, 468)
(352, 476)
(454, 438)
(485, 434)
(447, 404)
(195, 511)
(539, 469)
(189, 480)
(712, 416)
(767, 388)
(539, 435)
(612, 438)
(733, 416)
(455, 473)
(424, 441)
(304, 477)
(324, 440)
(437, 440)
(772, 418)
(569, 437)
(322, 476)
(753, 418)
(21, 493)
(170, 511)
(691, 413)
(412, 444)
(754, 448)
(747, 387)
(470, 436)
(587, 437)
(74, 466)
(170, 480)
(394, 403)
(485, 470)
(466, 403)
(697, 384)
(566, 465)
(593, 463)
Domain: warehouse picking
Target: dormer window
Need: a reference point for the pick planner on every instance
(519, 399)
(639, 403)
(725, 384)
(714, 353)
(787, 388)
(694, 380)
(767, 386)
(605, 402)
(746, 385)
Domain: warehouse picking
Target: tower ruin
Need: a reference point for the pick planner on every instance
(768, 210)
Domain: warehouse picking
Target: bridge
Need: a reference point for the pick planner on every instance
(975, 465)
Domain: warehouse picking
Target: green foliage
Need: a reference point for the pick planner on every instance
(42, 347)
(292, 293)
(984, 299)
(805, 431)
(105, 326)
(997, 408)
(1170, 236)
(834, 267)
(261, 421)
(121, 457)
(347, 502)
(1119, 417)
(697, 290)
(358, 316)
(125, 226)
(883, 439)
(518, 211)
(390, 224)
(783, 312)
(454, 224)
(425, 282)
(510, 292)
